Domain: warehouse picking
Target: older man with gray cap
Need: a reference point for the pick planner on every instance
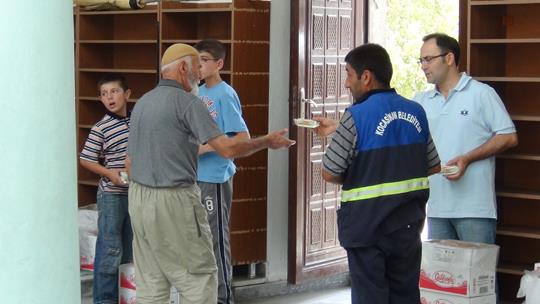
(172, 242)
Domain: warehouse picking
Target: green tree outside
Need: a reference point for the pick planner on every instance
(406, 23)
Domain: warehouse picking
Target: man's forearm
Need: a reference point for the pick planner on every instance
(497, 144)
(332, 178)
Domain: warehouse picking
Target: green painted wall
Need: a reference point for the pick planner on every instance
(38, 215)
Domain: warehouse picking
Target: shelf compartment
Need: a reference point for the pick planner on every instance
(89, 182)
(532, 157)
(519, 232)
(167, 6)
(521, 175)
(505, 21)
(119, 56)
(518, 250)
(513, 269)
(259, 52)
(87, 194)
(504, 60)
(149, 9)
(117, 27)
(528, 139)
(138, 83)
(196, 25)
(508, 288)
(518, 194)
(521, 99)
(520, 210)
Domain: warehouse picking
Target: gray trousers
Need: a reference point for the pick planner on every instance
(217, 199)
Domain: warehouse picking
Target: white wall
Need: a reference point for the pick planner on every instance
(39, 260)
(278, 168)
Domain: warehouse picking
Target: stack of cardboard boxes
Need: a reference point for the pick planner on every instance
(456, 272)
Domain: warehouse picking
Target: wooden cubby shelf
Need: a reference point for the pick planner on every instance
(513, 269)
(502, 2)
(531, 157)
(134, 41)
(93, 182)
(131, 42)
(121, 71)
(519, 232)
(518, 194)
(502, 41)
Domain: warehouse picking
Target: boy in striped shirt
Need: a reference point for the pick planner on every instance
(104, 153)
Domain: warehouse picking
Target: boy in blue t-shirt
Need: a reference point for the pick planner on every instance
(107, 141)
(214, 174)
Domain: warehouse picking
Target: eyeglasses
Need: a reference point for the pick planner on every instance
(428, 59)
(206, 59)
(112, 92)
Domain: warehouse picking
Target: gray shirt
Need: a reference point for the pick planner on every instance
(167, 126)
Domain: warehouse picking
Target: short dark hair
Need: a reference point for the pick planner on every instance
(374, 58)
(446, 44)
(213, 47)
(113, 77)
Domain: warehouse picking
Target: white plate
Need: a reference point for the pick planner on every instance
(449, 170)
(306, 123)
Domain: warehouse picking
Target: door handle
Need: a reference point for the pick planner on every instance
(304, 102)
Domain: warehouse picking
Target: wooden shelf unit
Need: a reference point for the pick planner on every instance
(502, 42)
(131, 43)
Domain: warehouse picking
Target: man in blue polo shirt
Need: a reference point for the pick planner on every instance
(469, 125)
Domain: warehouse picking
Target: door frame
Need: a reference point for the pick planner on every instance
(300, 38)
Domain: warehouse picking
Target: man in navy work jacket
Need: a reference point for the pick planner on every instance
(382, 154)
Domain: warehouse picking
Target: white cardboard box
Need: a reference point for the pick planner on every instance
(459, 268)
(127, 289)
(431, 297)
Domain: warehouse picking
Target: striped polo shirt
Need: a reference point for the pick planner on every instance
(107, 144)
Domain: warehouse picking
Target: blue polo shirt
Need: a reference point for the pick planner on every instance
(470, 116)
(224, 106)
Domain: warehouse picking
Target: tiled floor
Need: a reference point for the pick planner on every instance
(329, 296)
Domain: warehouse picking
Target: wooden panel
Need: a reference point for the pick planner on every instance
(251, 211)
(118, 56)
(516, 250)
(518, 174)
(196, 25)
(251, 5)
(90, 112)
(487, 60)
(118, 27)
(250, 184)
(253, 160)
(87, 195)
(248, 247)
(498, 60)
(528, 138)
(522, 98)
(258, 54)
(518, 212)
(252, 25)
(244, 84)
(508, 286)
(176, 5)
(481, 28)
(257, 120)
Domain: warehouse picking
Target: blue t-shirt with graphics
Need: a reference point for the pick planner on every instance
(224, 106)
